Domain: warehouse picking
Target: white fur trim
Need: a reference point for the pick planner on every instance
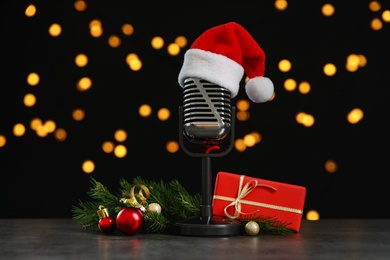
(259, 89)
(215, 68)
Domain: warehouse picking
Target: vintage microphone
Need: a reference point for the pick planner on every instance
(206, 129)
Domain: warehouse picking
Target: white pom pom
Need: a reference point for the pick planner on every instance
(259, 89)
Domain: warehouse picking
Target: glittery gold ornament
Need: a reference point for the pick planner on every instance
(154, 207)
(252, 228)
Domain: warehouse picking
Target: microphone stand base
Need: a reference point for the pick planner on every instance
(216, 226)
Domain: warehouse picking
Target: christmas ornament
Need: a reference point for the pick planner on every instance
(252, 228)
(130, 220)
(106, 223)
(221, 55)
(154, 207)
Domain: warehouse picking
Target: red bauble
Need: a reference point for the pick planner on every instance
(130, 220)
(107, 225)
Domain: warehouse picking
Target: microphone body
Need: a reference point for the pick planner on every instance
(207, 112)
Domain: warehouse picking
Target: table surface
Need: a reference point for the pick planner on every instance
(322, 239)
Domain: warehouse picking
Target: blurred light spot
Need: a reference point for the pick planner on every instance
(304, 87)
(284, 65)
(120, 151)
(81, 60)
(242, 115)
(239, 144)
(163, 114)
(49, 126)
(3, 140)
(386, 16)
(88, 166)
(305, 119)
(157, 42)
(95, 28)
(30, 11)
(173, 49)
(181, 41)
(55, 30)
(374, 6)
(172, 146)
(33, 79)
(258, 137)
(60, 134)
(290, 85)
(29, 100)
(242, 105)
(133, 61)
(80, 5)
(249, 140)
(78, 114)
(127, 29)
(327, 9)
(376, 24)
(355, 116)
(329, 69)
(144, 110)
(35, 123)
(84, 84)
(281, 5)
(312, 215)
(114, 41)
(120, 135)
(108, 147)
(19, 129)
(330, 166)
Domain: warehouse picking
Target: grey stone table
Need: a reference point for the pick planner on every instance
(323, 239)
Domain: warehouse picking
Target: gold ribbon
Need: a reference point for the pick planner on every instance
(243, 191)
(133, 201)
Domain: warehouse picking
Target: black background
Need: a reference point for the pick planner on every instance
(41, 177)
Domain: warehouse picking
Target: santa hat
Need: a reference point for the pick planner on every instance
(221, 55)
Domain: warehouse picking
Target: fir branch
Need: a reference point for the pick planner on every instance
(270, 225)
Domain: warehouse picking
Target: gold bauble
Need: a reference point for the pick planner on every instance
(154, 207)
(252, 228)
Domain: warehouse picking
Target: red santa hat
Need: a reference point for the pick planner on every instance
(221, 55)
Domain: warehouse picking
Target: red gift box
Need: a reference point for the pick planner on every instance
(239, 196)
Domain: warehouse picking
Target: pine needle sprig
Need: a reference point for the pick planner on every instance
(270, 225)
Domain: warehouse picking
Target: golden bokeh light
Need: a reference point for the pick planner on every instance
(304, 87)
(242, 105)
(331, 166)
(290, 85)
(29, 100)
(327, 9)
(95, 28)
(84, 84)
(80, 5)
(181, 41)
(157, 42)
(163, 114)
(355, 116)
(173, 49)
(239, 145)
(284, 65)
(55, 30)
(376, 24)
(281, 5)
(312, 215)
(88, 166)
(33, 79)
(172, 146)
(30, 11)
(78, 114)
(19, 129)
(145, 110)
(60, 134)
(114, 41)
(120, 151)
(242, 115)
(329, 69)
(81, 60)
(3, 140)
(127, 29)
(120, 135)
(108, 147)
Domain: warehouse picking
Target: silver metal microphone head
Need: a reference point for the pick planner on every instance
(207, 111)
